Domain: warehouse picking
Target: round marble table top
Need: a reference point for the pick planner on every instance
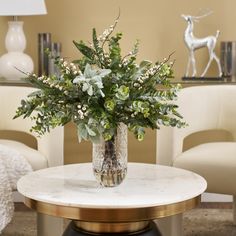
(146, 185)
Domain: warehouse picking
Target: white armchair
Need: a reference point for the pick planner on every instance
(49, 147)
(210, 107)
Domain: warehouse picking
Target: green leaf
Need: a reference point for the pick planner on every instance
(145, 63)
(82, 132)
(85, 50)
(95, 41)
(90, 131)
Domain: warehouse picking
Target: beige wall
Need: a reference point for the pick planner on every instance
(157, 24)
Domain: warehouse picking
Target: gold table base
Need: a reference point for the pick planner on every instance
(79, 228)
(121, 227)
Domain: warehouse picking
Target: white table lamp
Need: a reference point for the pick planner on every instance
(15, 60)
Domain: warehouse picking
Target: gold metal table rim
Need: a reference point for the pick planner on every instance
(112, 214)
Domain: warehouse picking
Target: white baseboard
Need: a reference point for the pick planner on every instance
(213, 197)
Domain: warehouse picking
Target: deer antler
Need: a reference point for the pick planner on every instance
(202, 16)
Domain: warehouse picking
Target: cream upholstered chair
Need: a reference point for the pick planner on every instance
(49, 147)
(210, 107)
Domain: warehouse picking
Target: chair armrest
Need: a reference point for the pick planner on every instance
(52, 146)
(164, 146)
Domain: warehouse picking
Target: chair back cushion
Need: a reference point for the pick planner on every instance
(50, 145)
(206, 108)
(10, 99)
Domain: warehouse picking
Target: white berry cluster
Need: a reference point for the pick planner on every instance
(126, 60)
(107, 32)
(151, 72)
(49, 81)
(82, 112)
(69, 68)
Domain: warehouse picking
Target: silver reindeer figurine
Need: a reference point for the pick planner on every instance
(194, 43)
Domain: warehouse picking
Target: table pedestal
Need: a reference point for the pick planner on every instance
(133, 228)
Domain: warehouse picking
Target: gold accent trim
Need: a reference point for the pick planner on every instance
(112, 214)
(121, 227)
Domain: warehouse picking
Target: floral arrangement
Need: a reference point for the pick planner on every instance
(102, 89)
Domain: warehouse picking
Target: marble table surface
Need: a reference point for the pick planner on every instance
(145, 185)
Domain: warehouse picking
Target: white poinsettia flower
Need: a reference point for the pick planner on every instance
(91, 80)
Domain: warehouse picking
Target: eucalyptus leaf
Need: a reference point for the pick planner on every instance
(82, 132)
(90, 131)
